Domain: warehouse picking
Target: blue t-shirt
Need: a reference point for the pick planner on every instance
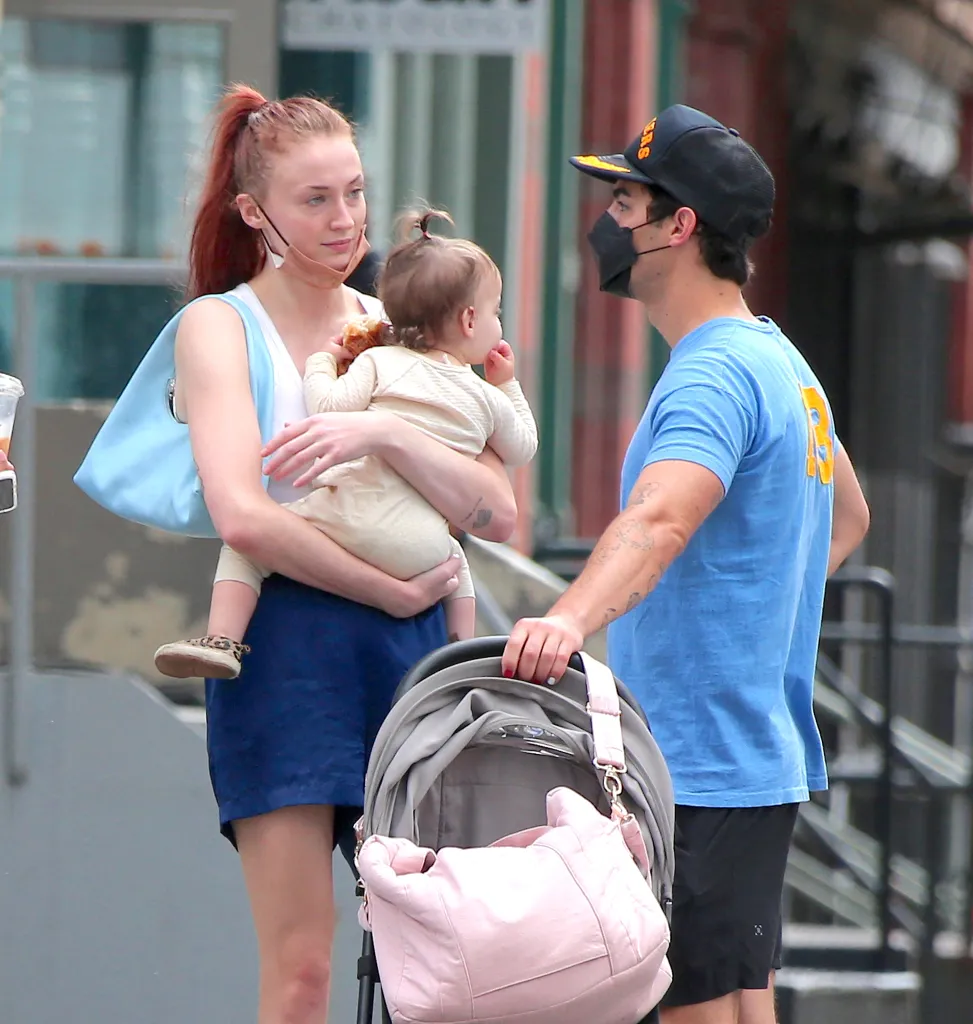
(722, 653)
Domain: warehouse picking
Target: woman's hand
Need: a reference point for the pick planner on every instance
(475, 494)
(5, 463)
(422, 591)
(311, 446)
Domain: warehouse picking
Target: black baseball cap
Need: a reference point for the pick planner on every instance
(702, 164)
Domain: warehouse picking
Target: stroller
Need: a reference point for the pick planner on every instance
(467, 756)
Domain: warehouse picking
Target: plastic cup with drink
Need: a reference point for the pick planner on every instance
(11, 391)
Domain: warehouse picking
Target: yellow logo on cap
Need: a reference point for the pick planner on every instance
(602, 165)
(645, 143)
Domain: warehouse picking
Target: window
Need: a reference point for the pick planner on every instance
(432, 128)
(101, 126)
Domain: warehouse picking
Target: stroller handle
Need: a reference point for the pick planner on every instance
(485, 647)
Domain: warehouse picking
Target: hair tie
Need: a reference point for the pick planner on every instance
(251, 117)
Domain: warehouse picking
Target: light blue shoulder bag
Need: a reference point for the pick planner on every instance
(140, 465)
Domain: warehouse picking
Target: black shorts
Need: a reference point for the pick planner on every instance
(726, 901)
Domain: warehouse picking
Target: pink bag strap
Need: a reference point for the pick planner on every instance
(605, 713)
(635, 842)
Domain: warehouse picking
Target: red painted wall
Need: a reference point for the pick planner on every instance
(611, 346)
(735, 56)
(736, 71)
(960, 381)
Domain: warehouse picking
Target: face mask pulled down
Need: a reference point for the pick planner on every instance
(615, 253)
(313, 272)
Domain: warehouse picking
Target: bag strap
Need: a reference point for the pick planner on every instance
(605, 713)
(261, 366)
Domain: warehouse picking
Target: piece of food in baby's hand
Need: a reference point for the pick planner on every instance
(362, 333)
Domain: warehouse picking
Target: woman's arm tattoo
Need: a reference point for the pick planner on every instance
(481, 516)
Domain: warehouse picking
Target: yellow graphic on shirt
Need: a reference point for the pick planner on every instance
(820, 447)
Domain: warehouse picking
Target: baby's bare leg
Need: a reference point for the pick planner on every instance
(461, 618)
(217, 655)
(231, 609)
(461, 605)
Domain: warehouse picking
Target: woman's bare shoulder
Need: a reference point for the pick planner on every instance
(210, 329)
(210, 314)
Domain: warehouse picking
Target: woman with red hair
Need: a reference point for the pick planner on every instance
(281, 224)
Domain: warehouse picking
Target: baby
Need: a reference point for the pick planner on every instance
(442, 302)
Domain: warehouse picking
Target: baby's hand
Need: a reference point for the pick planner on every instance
(340, 353)
(499, 365)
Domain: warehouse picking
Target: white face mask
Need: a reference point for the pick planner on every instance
(313, 272)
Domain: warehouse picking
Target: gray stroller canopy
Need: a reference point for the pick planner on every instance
(466, 757)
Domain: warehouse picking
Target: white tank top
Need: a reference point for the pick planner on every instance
(289, 405)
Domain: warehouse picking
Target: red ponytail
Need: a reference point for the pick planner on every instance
(224, 251)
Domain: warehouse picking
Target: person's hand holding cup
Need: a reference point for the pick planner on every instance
(11, 391)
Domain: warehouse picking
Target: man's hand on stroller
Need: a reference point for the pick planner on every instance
(539, 649)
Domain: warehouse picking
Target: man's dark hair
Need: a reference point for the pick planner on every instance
(724, 258)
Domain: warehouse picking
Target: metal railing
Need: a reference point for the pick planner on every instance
(25, 274)
(911, 763)
(880, 582)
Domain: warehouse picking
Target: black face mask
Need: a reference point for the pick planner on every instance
(614, 249)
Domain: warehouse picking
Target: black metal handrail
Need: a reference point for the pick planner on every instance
(887, 636)
(881, 583)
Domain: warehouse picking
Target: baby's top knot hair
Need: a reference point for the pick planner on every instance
(428, 279)
(415, 220)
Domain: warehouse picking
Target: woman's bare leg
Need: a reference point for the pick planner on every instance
(286, 857)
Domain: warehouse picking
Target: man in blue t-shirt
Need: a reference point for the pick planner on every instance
(737, 504)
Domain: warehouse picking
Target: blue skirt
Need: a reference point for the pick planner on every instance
(298, 724)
